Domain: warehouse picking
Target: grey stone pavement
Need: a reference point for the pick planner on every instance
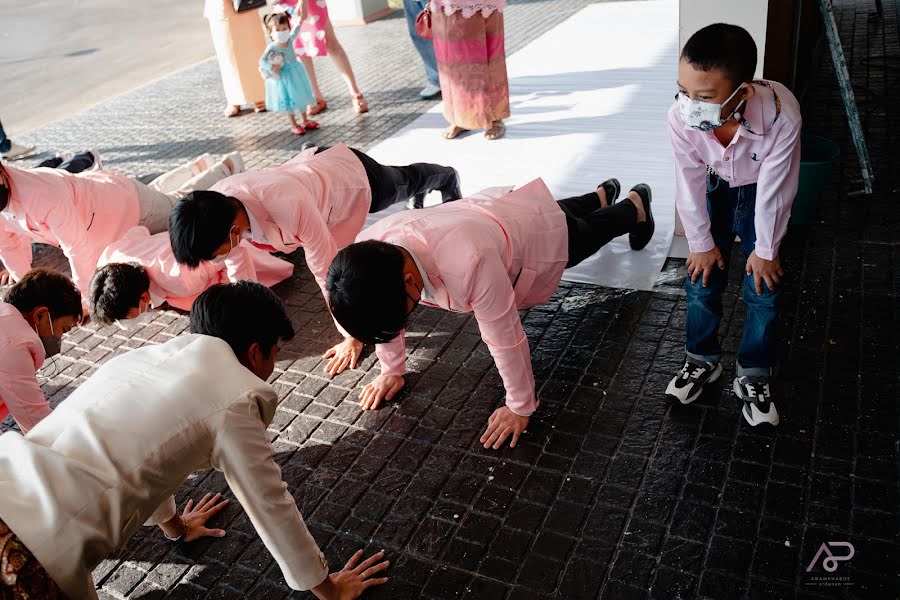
(613, 493)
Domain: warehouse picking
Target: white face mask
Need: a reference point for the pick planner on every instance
(134, 323)
(282, 37)
(704, 116)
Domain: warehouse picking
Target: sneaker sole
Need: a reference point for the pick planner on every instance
(712, 379)
(747, 410)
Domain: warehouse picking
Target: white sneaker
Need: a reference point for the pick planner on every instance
(758, 397)
(687, 385)
(18, 152)
(237, 163)
(202, 163)
(430, 91)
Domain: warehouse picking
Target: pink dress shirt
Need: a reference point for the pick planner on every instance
(179, 285)
(490, 254)
(81, 214)
(765, 151)
(21, 355)
(317, 202)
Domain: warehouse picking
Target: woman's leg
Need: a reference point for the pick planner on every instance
(311, 71)
(342, 63)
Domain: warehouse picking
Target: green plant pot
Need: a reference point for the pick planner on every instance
(817, 156)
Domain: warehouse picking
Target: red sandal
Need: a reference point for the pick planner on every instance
(298, 130)
(312, 125)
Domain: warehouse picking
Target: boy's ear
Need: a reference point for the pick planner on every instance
(146, 296)
(748, 91)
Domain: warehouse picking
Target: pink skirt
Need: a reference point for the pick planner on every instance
(471, 61)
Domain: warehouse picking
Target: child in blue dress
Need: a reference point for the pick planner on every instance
(287, 85)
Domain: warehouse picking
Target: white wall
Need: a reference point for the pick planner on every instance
(749, 14)
(694, 15)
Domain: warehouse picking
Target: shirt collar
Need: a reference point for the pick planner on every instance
(156, 299)
(256, 229)
(428, 289)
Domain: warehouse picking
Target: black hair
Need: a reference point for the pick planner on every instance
(199, 223)
(366, 291)
(45, 288)
(277, 19)
(722, 46)
(116, 288)
(242, 314)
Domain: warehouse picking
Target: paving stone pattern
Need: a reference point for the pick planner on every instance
(613, 493)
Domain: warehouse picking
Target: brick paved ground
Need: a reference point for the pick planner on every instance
(613, 493)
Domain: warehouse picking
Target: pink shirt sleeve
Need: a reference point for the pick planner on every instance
(19, 389)
(393, 355)
(15, 252)
(494, 304)
(690, 189)
(776, 187)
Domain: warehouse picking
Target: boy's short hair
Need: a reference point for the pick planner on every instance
(729, 48)
(199, 223)
(366, 291)
(242, 314)
(116, 288)
(45, 288)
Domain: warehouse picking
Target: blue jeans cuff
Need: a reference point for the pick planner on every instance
(713, 358)
(753, 371)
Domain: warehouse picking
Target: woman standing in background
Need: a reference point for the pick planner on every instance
(239, 41)
(471, 55)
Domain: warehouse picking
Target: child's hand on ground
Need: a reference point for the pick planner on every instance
(701, 264)
(385, 387)
(343, 355)
(501, 425)
(769, 271)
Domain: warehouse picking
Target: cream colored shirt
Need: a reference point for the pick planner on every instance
(108, 459)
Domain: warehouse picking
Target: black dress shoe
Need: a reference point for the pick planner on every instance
(612, 187)
(642, 233)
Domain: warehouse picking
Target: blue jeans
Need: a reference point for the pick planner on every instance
(732, 212)
(5, 143)
(424, 47)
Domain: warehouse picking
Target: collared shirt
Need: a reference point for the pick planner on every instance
(765, 151)
(428, 289)
(256, 230)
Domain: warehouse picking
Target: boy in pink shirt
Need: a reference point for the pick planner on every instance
(34, 315)
(490, 254)
(737, 156)
(139, 272)
(317, 201)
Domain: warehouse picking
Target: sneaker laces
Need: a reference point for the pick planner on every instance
(757, 389)
(692, 370)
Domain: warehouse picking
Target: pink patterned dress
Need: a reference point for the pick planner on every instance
(311, 41)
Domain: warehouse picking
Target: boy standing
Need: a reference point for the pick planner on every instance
(737, 157)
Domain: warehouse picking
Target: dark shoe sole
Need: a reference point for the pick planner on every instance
(643, 232)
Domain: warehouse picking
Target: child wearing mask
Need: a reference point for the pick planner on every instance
(34, 315)
(288, 88)
(737, 159)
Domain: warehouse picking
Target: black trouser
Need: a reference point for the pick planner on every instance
(592, 227)
(398, 184)
(78, 163)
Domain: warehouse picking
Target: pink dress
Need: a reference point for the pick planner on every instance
(311, 41)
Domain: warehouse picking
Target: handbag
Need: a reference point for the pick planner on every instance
(423, 24)
(245, 5)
